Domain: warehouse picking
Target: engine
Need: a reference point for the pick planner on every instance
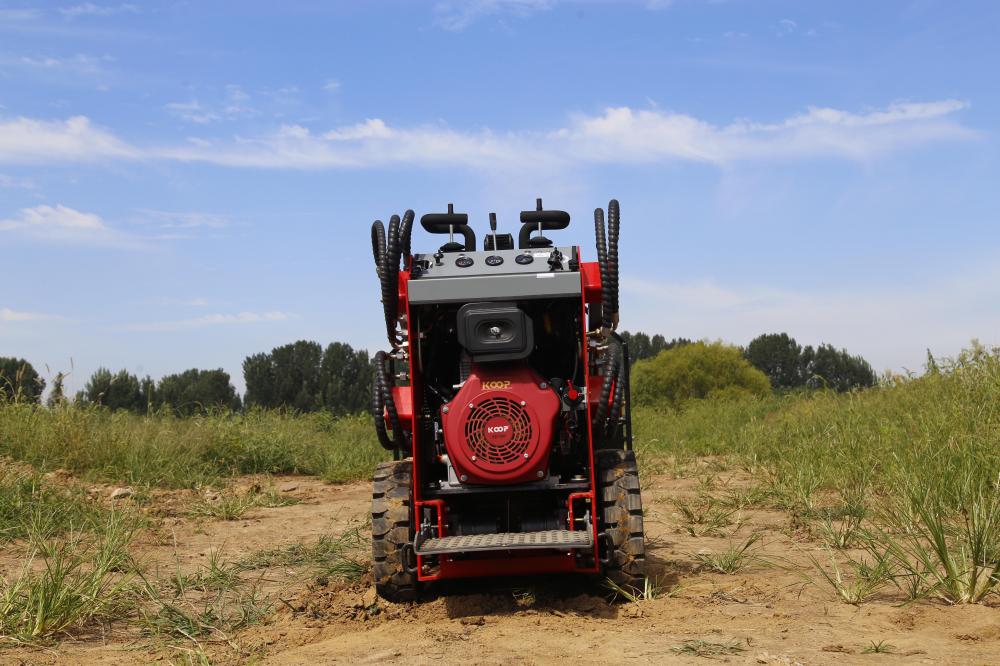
(500, 426)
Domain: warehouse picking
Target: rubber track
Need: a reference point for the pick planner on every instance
(621, 514)
(392, 515)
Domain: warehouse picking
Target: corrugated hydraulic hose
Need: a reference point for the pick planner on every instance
(378, 245)
(405, 229)
(383, 403)
(389, 276)
(613, 227)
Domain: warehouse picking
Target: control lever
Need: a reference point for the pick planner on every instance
(556, 259)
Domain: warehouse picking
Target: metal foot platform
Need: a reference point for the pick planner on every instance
(560, 539)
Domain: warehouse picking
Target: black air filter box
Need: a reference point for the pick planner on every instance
(495, 331)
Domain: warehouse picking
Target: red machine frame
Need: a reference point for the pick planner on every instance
(407, 396)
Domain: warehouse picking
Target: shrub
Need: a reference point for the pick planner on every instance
(699, 370)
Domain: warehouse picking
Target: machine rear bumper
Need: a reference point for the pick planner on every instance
(506, 541)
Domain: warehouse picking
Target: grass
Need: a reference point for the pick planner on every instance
(705, 516)
(168, 451)
(703, 648)
(908, 470)
(734, 559)
(651, 589)
(880, 647)
(866, 580)
(338, 556)
(70, 583)
(29, 505)
(229, 505)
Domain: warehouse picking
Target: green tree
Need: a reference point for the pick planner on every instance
(779, 357)
(19, 380)
(297, 375)
(828, 367)
(696, 370)
(641, 346)
(117, 391)
(197, 391)
(258, 373)
(289, 376)
(345, 377)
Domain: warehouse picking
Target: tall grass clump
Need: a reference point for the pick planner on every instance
(910, 467)
(166, 450)
(71, 583)
(29, 505)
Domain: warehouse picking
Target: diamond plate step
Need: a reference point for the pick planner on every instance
(561, 539)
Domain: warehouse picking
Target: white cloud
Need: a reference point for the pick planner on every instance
(891, 326)
(213, 320)
(65, 225)
(91, 9)
(183, 220)
(192, 112)
(58, 217)
(80, 63)
(331, 85)
(234, 104)
(18, 15)
(457, 15)
(11, 183)
(6, 314)
(26, 140)
(787, 26)
(618, 135)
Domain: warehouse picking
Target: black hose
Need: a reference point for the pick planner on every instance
(405, 230)
(614, 215)
(602, 263)
(610, 374)
(378, 414)
(619, 397)
(389, 278)
(378, 245)
(382, 399)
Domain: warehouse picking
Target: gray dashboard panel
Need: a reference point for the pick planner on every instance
(451, 282)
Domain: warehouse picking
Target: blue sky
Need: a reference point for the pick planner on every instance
(186, 183)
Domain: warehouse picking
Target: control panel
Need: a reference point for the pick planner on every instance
(494, 262)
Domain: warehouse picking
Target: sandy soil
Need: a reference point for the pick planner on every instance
(768, 614)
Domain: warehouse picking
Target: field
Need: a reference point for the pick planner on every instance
(803, 528)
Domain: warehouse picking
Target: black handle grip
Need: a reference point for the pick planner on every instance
(550, 219)
(443, 223)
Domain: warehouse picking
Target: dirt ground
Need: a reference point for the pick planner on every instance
(766, 614)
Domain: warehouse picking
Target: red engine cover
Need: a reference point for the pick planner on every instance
(499, 427)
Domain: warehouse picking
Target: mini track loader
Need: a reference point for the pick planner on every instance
(505, 401)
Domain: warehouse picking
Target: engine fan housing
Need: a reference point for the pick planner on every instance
(499, 427)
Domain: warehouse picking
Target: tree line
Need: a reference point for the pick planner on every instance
(307, 377)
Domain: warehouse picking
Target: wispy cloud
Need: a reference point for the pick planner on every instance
(234, 103)
(212, 320)
(459, 15)
(8, 315)
(192, 112)
(18, 15)
(180, 220)
(331, 85)
(80, 63)
(11, 183)
(91, 9)
(63, 224)
(618, 135)
(30, 141)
